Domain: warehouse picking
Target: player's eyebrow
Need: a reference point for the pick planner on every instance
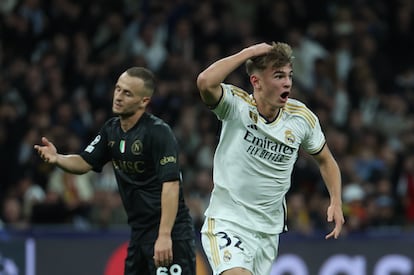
(124, 90)
(282, 72)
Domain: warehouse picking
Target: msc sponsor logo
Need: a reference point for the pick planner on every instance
(129, 167)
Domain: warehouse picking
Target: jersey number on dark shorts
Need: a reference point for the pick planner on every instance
(175, 269)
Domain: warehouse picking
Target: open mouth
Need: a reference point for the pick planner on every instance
(284, 95)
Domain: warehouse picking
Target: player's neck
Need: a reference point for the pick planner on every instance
(129, 121)
(267, 111)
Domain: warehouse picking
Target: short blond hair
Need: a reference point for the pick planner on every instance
(279, 55)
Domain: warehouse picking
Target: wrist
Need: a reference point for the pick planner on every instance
(56, 160)
(336, 203)
(247, 53)
(163, 233)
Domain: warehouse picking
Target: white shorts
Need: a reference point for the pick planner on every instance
(227, 245)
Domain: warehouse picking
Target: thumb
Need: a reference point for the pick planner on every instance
(329, 218)
(329, 215)
(45, 141)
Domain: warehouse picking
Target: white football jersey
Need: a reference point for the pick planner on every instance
(254, 160)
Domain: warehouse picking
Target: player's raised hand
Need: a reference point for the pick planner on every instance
(47, 151)
(335, 214)
(260, 49)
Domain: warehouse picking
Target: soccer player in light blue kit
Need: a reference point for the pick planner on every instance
(259, 143)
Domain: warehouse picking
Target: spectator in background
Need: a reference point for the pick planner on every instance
(181, 41)
(106, 208)
(306, 51)
(68, 197)
(299, 219)
(6, 6)
(405, 189)
(147, 45)
(28, 194)
(73, 192)
(198, 195)
(12, 213)
(355, 211)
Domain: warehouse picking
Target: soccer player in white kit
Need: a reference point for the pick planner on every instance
(259, 142)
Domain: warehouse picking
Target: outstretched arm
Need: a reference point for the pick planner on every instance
(208, 81)
(332, 177)
(74, 164)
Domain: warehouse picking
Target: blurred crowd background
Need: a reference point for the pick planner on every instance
(60, 59)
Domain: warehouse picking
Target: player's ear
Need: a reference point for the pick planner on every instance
(146, 100)
(254, 80)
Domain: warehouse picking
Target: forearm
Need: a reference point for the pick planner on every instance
(74, 164)
(208, 81)
(169, 207)
(332, 177)
(219, 70)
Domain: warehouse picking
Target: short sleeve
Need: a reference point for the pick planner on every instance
(315, 139)
(96, 153)
(165, 153)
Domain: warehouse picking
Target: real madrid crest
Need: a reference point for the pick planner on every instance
(289, 137)
(226, 256)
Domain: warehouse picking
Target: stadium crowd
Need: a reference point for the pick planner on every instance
(354, 66)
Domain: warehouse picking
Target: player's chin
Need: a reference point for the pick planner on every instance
(116, 111)
(123, 114)
(281, 103)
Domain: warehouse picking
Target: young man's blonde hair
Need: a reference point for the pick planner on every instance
(279, 56)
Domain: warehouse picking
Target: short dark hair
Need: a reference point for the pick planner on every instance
(146, 75)
(279, 56)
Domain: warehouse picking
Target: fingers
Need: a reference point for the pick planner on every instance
(38, 148)
(43, 156)
(163, 259)
(330, 218)
(164, 263)
(334, 234)
(334, 214)
(41, 150)
(329, 236)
